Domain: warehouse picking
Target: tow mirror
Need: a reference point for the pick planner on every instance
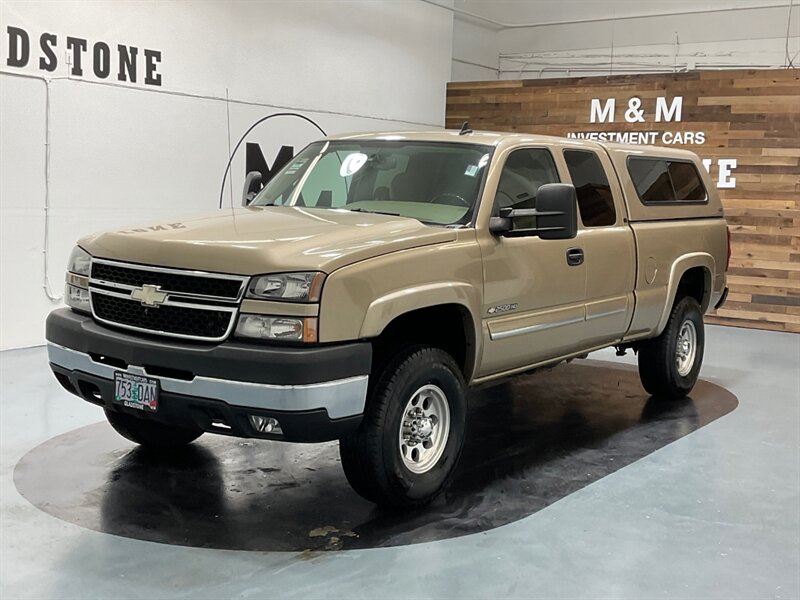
(252, 185)
(556, 215)
(558, 211)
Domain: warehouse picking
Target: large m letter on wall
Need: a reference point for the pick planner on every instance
(606, 113)
(255, 161)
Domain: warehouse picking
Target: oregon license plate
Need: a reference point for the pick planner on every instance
(136, 391)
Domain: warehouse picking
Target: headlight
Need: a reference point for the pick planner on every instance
(291, 329)
(296, 287)
(80, 262)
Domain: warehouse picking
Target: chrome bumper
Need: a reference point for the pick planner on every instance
(340, 398)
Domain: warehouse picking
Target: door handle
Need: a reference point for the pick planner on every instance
(575, 257)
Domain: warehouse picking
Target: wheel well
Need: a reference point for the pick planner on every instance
(446, 326)
(696, 283)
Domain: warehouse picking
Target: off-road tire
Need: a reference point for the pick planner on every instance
(371, 456)
(149, 433)
(658, 368)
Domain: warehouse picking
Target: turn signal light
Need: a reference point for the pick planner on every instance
(300, 329)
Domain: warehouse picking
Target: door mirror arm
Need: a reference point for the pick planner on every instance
(501, 225)
(556, 215)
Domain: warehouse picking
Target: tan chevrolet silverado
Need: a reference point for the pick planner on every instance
(358, 294)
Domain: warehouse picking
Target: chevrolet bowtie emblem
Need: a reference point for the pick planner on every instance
(149, 295)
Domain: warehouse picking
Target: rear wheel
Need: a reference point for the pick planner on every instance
(404, 452)
(149, 433)
(669, 364)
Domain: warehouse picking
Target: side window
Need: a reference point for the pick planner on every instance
(525, 171)
(595, 200)
(659, 180)
(686, 182)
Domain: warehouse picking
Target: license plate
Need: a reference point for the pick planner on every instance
(135, 391)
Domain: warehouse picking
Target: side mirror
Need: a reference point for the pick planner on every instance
(252, 185)
(556, 215)
(557, 204)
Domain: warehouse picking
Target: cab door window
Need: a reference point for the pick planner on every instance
(525, 171)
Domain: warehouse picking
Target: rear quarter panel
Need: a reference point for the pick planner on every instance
(665, 251)
(670, 239)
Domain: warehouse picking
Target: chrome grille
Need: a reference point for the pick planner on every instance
(197, 285)
(185, 304)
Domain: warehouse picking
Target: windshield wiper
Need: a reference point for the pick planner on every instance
(374, 212)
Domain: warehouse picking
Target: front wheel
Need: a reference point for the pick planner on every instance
(669, 364)
(405, 450)
(149, 433)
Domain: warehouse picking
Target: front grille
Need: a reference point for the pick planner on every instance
(179, 320)
(171, 302)
(201, 285)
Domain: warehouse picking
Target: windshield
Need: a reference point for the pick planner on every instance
(436, 183)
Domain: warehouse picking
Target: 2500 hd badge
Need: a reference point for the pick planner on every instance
(502, 308)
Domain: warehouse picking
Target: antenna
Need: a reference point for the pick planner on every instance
(465, 129)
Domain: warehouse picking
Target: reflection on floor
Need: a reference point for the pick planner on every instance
(532, 441)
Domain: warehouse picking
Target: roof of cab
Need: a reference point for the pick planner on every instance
(489, 138)
(497, 138)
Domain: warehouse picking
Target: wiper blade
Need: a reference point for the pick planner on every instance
(374, 212)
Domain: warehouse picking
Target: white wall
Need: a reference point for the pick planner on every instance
(128, 152)
(476, 51)
(582, 38)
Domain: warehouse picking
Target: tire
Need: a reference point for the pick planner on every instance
(421, 380)
(149, 433)
(663, 373)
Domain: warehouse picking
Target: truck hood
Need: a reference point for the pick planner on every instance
(253, 240)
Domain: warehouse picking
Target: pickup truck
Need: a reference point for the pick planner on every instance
(359, 293)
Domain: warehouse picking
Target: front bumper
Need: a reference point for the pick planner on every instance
(316, 393)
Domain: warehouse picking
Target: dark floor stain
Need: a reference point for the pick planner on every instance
(285, 485)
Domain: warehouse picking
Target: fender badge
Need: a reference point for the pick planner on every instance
(502, 308)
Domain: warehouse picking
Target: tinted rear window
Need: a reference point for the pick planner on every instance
(595, 201)
(658, 180)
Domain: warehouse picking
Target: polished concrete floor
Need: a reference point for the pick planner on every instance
(574, 485)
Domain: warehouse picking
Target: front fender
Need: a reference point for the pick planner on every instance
(360, 300)
(384, 309)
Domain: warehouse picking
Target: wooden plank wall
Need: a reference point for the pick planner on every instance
(752, 116)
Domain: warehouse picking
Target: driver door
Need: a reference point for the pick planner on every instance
(534, 289)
